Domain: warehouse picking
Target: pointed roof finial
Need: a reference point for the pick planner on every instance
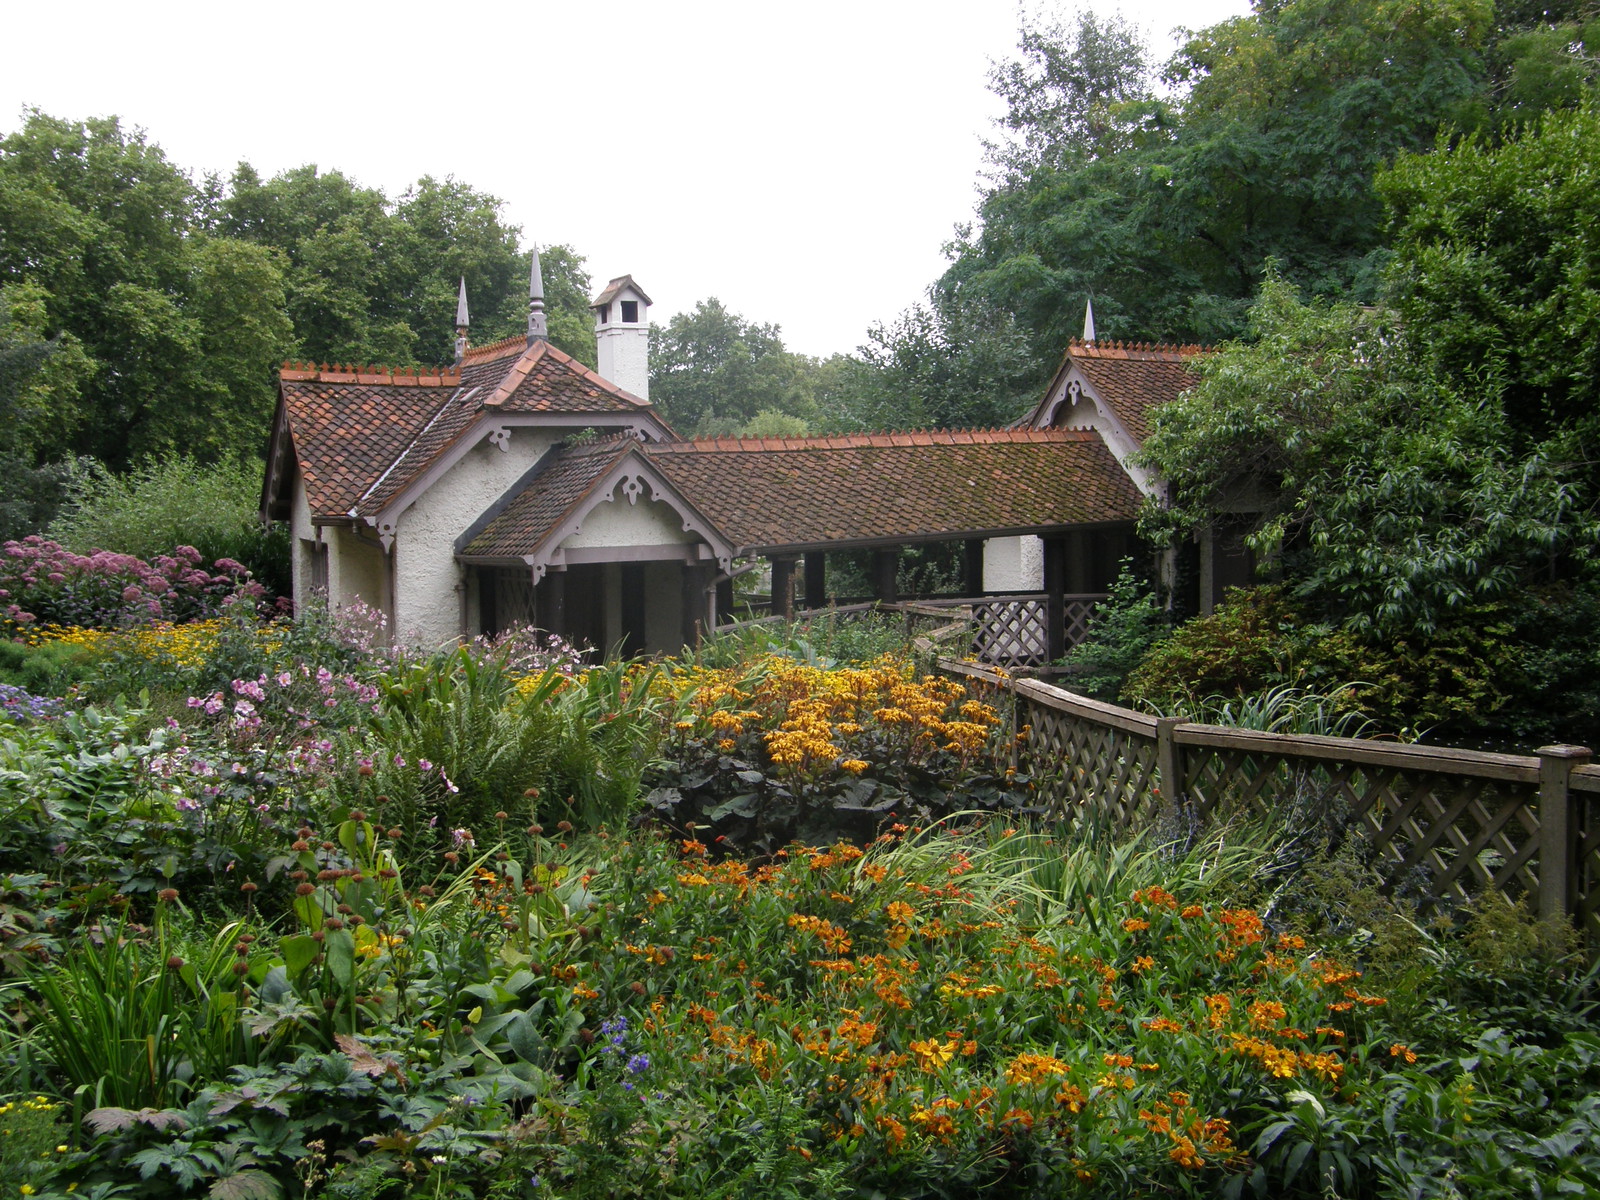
(1088, 320)
(538, 331)
(461, 321)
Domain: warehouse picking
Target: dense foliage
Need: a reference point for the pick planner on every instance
(145, 311)
(310, 920)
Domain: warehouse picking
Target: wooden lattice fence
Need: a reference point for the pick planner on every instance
(1443, 824)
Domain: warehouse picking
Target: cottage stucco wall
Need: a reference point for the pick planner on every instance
(358, 570)
(302, 537)
(428, 607)
(616, 522)
(1013, 564)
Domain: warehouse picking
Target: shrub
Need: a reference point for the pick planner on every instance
(778, 749)
(1455, 683)
(1126, 625)
(43, 583)
(176, 501)
(1239, 648)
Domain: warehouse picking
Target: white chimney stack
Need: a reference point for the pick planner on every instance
(622, 335)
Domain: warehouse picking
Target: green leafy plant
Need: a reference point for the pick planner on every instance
(1127, 624)
(133, 1021)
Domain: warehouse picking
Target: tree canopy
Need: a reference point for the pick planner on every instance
(150, 309)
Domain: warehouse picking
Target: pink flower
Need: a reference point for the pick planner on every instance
(131, 593)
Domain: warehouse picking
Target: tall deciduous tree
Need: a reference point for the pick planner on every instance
(112, 235)
(371, 281)
(1397, 497)
(712, 371)
(1166, 209)
(948, 364)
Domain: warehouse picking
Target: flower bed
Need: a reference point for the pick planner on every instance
(43, 583)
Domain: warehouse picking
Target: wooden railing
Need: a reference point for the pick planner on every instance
(1442, 824)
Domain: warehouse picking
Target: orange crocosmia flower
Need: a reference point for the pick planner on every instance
(1243, 925)
(893, 1132)
(1218, 1007)
(1071, 1098)
(1155, 897)
(937, 1125)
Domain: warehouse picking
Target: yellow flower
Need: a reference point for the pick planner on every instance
(931, 1055)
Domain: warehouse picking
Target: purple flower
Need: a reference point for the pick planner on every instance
(638, 1064)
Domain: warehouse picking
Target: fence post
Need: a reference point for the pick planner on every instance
(1169, 760)
(1556, 845)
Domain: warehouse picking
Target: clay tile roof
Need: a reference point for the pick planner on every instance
(362, 434)
(547, 380)
(615, 286)
(773, 493)
(547, 498)
(1135, 378)
(346, 433)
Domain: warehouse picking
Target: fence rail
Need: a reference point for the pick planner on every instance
(1444, 824)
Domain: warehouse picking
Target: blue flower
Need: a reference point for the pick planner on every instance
(638, 1064)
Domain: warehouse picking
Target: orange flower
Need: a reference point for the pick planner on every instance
(1034, 1068)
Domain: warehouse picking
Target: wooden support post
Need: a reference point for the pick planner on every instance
(696, 603)
(972, 567)
(552, 602)
(783, 587)
(1558, 828)
(1055, 602)
(1169, 762)
(1077, 562)
(885, 566)
(816, 585)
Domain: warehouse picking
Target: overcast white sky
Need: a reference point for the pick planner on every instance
(803, 162)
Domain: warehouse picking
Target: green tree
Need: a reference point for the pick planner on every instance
(1497, 248)
(1167, 211)
(371, 281)
(173, 329)
(40, 406)
(712, 371)
(1394, 498)
(1077, 91)
(944, 365)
